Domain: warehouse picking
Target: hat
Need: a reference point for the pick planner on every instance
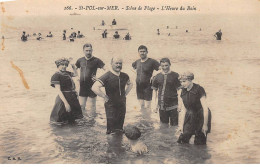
(132, 132)
(186, 76)
(62, 60)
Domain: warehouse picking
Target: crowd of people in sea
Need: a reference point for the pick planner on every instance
(74, 35)
(155, 93)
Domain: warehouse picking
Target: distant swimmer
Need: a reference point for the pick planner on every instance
(103, 23)
(49, 35)
(71, 39)
(218, 35)
(24, 37)
(80, 35)
(127, 36)
(64, 36)
(73, 35)
(39, 37)
(116, 35)
(114, 22)
(158, 31)
(104, 34)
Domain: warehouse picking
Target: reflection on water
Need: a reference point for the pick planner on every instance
(228, 70)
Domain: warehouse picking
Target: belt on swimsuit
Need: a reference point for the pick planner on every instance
(168, 108)
(69, 91)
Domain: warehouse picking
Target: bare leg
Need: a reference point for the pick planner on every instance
(141, 103)
(82, 102)
(147, 104)
(92, 102)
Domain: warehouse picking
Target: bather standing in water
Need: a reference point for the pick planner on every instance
(104, 34)
(88, 66)
(103, 23)
(114, 22)
(66, 107)
(144, 68)
(127, 37)
(80, 35)
(116, 35)
(197, 116)
(218, 35)
(24, 37)
(49, 35)
(117, 86)
(39, 37)
(165, 86)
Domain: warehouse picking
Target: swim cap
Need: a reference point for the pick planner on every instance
(62, 60)
(132, 132)
(186, 76)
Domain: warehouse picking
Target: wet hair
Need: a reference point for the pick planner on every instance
(186, 76)
(87, 45)
(132, 132)
(142, 47)
(164, 60)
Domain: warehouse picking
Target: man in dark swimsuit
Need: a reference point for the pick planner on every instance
(88, 68)
(165, 85)
(144, 68)
(117, 85)
(218, 35)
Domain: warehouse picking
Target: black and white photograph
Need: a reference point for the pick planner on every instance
(130, 82)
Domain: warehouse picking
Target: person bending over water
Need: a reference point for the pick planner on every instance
(197, 116)
(66, 107)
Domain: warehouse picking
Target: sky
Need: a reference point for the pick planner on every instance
(56, 7)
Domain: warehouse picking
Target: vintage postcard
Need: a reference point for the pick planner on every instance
(130, 82)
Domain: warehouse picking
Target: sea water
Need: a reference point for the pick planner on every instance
(227, 69)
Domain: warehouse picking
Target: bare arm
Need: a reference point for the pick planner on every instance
(155, 101)
(182, 111)
(134, 70)
(104, 68)
(67, 106)
(75, 72)
(205, 113)
(96, 88)
(129, 86)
